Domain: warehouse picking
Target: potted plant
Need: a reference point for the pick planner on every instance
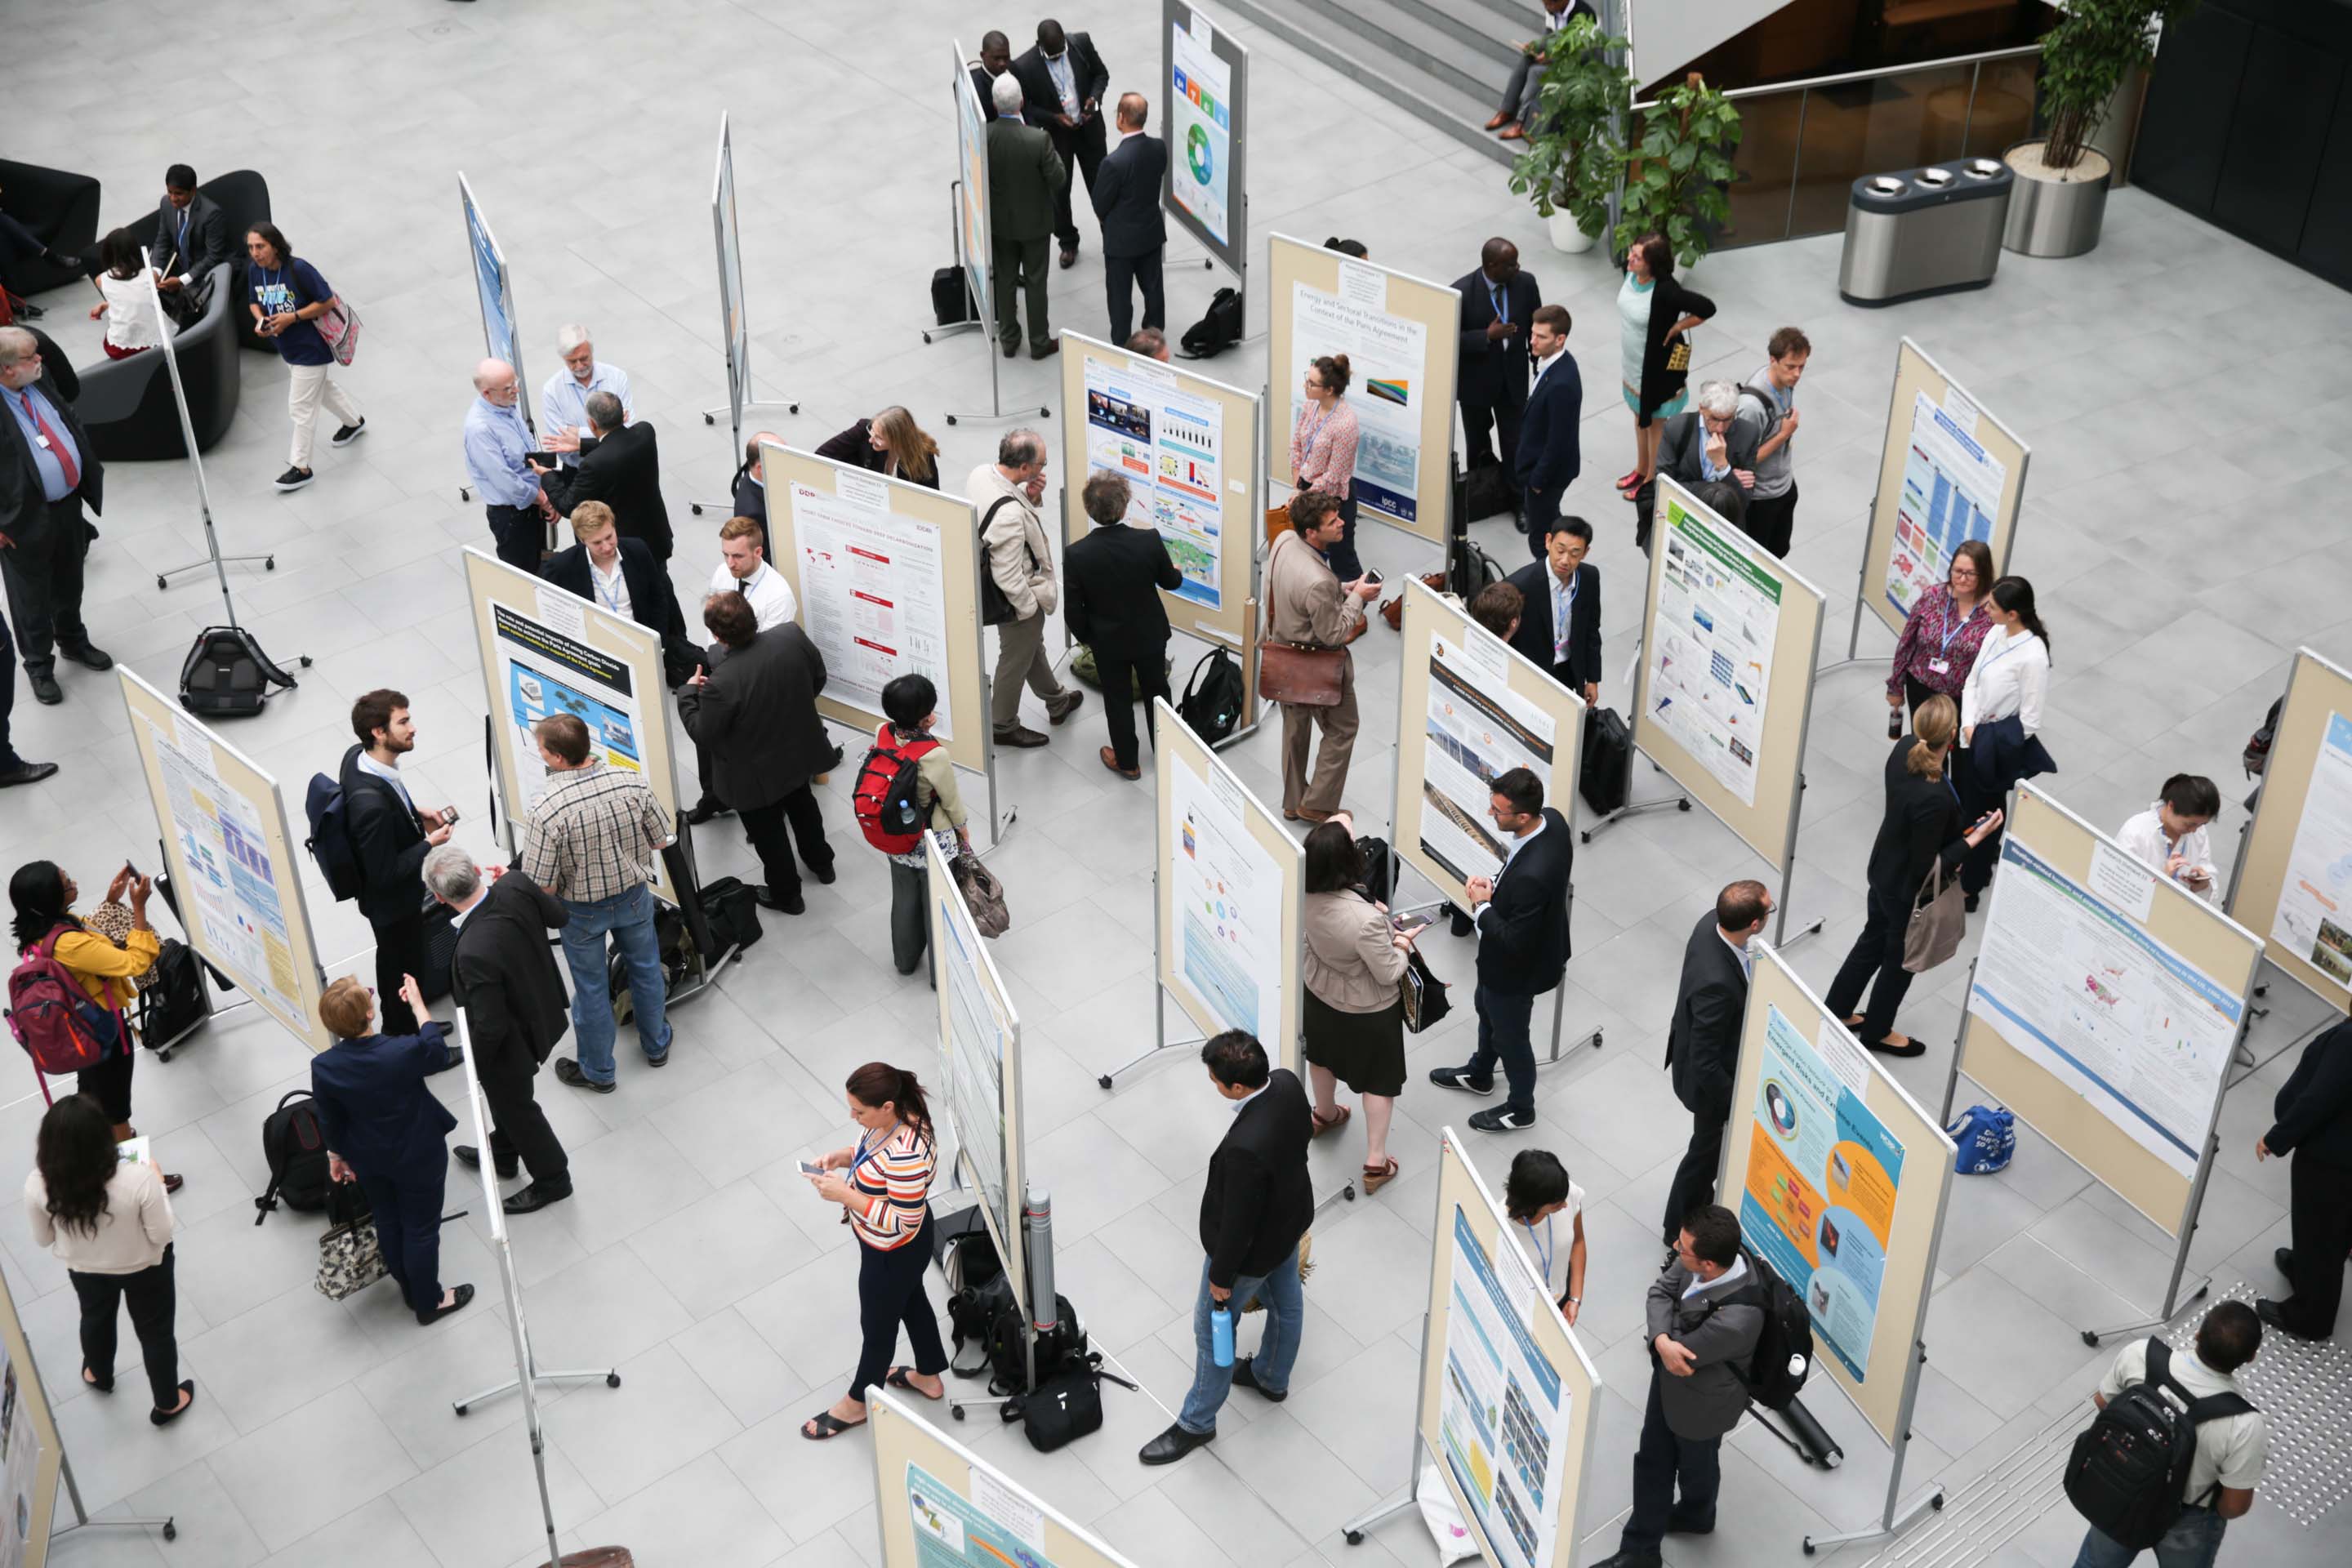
(2061, 193)
(1574, 152)
(1677, 172)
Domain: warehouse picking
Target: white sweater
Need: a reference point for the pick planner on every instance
(131, 1233)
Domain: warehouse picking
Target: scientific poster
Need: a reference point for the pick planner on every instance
(1387, 363)
(1951, 491)
(972, 184)
(1710, 650)
(997, 1527)
(1822, 1174)
(1228, 903)
(1200, 132)
(20, 1463)
(541, 671)
(975, 1059)
(1478, 728)
(1503, 1415)
(2312, 921)
(873, 592)
(236, 895)
(2077, 986)
(1141, 427)
(490, 285)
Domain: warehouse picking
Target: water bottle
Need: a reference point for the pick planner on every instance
(1895, 723)
(1221, 1336)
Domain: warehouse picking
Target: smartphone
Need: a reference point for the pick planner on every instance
(810, 1168)
(1372, 577)
(449, 815)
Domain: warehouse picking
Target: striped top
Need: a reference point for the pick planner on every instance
(890, 1180)
(597, 833)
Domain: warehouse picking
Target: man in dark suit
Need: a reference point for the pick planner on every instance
(191, 233)
(622, 575)
(1560, 615)
(1126, 201)
(2312, 1122)
(1110, 601)
(620, 465)
(505, 978)
(1024, 179)
(48, 469)
(751, 486)
(1498, 303)
(755, 713)
(391, 838)
(1521, 914)
(1551, 455)
(1063, 81)
(1257, 1202)
(995, 60)
(1703, 1040)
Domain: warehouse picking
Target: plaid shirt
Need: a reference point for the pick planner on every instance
(595, 833)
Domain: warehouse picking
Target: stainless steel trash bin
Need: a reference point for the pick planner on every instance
(1924, 231)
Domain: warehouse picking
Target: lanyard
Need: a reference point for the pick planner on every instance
(1307, 442)
(1953, 628)
(610, 601)
(1543, 1247)
(2007, 648)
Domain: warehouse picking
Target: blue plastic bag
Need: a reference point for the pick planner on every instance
(1988, 1138)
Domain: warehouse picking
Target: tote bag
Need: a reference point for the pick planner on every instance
(1938, 917)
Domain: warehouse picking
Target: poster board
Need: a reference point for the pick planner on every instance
(888, 576)
(2105, 1003)
(31, 1452)
(544, 650)
(1493, 1329)
(980, 1058)
(1948, 471)
(1815, 1117)
(494, 287)
(231, 850)
(1398, 333)
(1188, 446)
(733, 324)
(1724, 687)
(1231, 895)
(971, 117)
(2294, 874)
(937, 1503)
(1470, 707)
(1204, 115)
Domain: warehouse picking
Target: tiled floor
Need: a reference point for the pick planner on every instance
(2177, 389)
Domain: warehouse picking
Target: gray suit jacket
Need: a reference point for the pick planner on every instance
(1024, 174)
(1708, 1403)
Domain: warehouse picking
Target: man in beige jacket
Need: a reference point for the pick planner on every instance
(1307, 604)
(1021, 561)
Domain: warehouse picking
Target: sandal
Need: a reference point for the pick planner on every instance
(826, 1425)
(1375, 1178)
(897, 1377)
(1333, 1124)
(1626, 482)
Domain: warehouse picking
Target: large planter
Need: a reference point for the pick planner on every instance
(2051, 212)
(1565, 236)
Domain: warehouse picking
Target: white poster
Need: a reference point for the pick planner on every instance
(1200, 135)
(975, 1056)
(2312, 922)
(1951, 491)
(873, 597)
(1228, 903)
(1168, 445)
(20, 1459)
(542, 671)
(235, 897)
(1477, 730)
(1710, 649)
(971, 185)
(1503, 1414)
(2116, 1015)
(1388, 369)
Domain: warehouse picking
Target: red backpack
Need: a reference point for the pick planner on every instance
(884, 801)
(53, 1017)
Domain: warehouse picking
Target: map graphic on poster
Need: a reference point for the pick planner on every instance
(542, 671)
(997, 1528)
(2117, 1016)
(1200, 137)
(971, 189)
(975, 1060)
(1228, 903)
(235, 897)
(1388, 359)
(872, 593)
(1951, 490)
(1710, 649)
(20, 1462)
(1478, 728)
(1822, 1174)
(1504, 1413)
(2313, 922)
(490, 284)
(1140, 427)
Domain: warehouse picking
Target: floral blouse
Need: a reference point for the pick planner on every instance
(1323, 448)
(1934, 635)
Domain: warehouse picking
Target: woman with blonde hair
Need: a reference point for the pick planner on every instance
(891, 444)
(1921, 830)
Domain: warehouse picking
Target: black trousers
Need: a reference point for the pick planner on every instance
(1346, 564)
(108, 1083)
(518, 1128)
(1081, 150)
(1120, 275)
(1914, 696)
(520, 535)
(153, 1298)
(1504, 1037)
(889, 1296)
(1976, 872)
(43, 571)
(1876, 961)
(1538, 509)
(2320, 1227)
(1502, 415)
(407, 1213)
(1770, 522)
(1662, 1461)
(1123, 675)
(911, 916)
(774, 843)
(402, 947)
(1695, 1177)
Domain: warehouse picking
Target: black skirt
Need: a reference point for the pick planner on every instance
(1363, 1051)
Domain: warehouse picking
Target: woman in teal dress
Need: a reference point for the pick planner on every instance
(1654, 312)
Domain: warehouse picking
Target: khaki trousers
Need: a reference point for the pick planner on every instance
(1020, 656)
(1320, 792)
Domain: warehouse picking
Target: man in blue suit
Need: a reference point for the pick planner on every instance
(1490, 380)
(1126, 201)
(1550, 457)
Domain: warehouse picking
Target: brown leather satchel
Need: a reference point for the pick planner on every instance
(1300, 674)
(1278, 521)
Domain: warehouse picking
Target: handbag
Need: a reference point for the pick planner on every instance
(1678, 356)
(1422, 992)
(1938, 917)
(1987, 1136)
(1297, 673)
(338, 326)
(111, 920)
(1278, 521)
(983, 895)
(350, 1258)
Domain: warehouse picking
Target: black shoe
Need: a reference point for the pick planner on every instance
(1012, 348)
(70, 263)
(347, 433)
(1047, 349)
(1020, 736)
(1632, 1558)
(2284, 1258)
(1502, 1119)
(790, 903)
(1970, 903)
(294, 478)
(567, 1070)
(46, 688)
(536, 1196)
(29, 311)
(1462, 1078)
(2274, 1314)
(825, 874)
(90, 655)
(471, 1158)
(462, 1294)
(660, 1061)
(1681, 1523)
(1173, 1444)
(709, 808)
(1459, 923)
(1245, 1377)
(25, 772)
(165, 1417)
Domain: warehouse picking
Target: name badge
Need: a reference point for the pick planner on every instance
(41, 441)
(1940, 666)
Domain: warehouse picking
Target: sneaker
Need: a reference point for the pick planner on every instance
(1462, 1078)
(294, 478)
(347, 433)
(568, 1072)
(1502, 1118)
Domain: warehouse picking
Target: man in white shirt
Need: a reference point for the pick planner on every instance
(563, 401)
(743, 569)
(2170, 836)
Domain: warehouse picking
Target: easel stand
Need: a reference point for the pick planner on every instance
(168, 1525)
(1160, 1040)
(981, 321)
(1896, 1516)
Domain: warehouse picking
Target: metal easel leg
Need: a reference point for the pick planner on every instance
(1894, 1520)
(164, 578)
(610, 1376)
(2174, 1302)
(168, 1524)
(1354, 1530)
(1632, 808)
(1161, 1042)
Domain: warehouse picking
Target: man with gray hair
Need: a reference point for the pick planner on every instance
(620, 465)
(500, 464)
(1017, 591)
(47, 468)
(1709, 442)
(1025, 175)
(505, 981)
(562, 402)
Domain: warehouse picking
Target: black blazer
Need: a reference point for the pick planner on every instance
(1682, 449)
(757, 717)
(376, 1112)
(1703, 1041)
(653, 601)
(1923, 825)
(1669, 303)
(1127, 197)
(1494, 371)
(1040, 102)
(2313, 1106)
(24, 511)
(854, 447)
(1259, 1200)
(208, 237)
(1523, 933)
(1533, 638)
(1110, 582)
(751, 501)
(623, 471)
(505, 976)
(389, 841)
(1549, 454)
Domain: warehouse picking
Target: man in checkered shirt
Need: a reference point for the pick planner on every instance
(593, 841)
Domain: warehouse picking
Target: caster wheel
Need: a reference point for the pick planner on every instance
(1585, 836)
(2090, 1338)
(306, 661)
(612, 1380)
(1045, 414)
(927, 338)
(1682, 806)
(951, 418)
(269, 564)
(1809, 1546)
(792, 408)
(171, 1530)
(709, 419)
(163, 1055)
(1104, 1080)
(956, 1411)
(1596, 1039)
(695, 507)
(1936, 1502)
(1354, 1537)
(161, 584)
(460, 1409)
(1348, 1192)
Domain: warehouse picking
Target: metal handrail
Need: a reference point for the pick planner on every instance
(2019, 52)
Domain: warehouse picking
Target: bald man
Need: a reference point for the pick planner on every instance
(499, 461)
(1499, 302)
(1127, 202)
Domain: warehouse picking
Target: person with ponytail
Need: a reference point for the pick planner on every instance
(882, 1184)
(2001, 716)
(2169, 836)
(1921, 830)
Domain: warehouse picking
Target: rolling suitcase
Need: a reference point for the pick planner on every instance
(1608, 761)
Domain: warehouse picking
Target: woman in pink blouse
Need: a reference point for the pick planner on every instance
(1946, 629)
(1323, 453)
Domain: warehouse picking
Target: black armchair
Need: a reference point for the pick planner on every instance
(242, 197)
(126, 403)
(61, 211)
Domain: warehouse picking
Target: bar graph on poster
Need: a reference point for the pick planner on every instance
(1228, 904)
(1503, 1412)
(1141, 427)
(2312, 921)
(1951, 493)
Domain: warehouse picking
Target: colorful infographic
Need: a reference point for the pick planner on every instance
(1201, 133)
(1503, 1415)
(1822, 1175)
(1388, 359)
(1228, 899)
(1141, 427)
(997, 1527)
(543, 671)
(1710, 649)
(2312, 921)
(1951, 491)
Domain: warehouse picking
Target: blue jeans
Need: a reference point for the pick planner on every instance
(1286, 1311)
(1503, 1035)
(629, 919)
(2193, 1542)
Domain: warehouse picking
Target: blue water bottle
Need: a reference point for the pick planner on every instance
(1221, 1335)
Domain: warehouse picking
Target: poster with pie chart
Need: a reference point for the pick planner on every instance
(1202, 86)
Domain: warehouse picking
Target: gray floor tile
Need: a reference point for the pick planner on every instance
(345, 1456)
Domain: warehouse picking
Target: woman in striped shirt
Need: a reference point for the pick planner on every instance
(883, 1185)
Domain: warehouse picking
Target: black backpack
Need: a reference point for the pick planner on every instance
(227, 676)
(977, 1289)
(1218, 330)
(1060, 1348)
(174, 1004)
(1212, 704)
(2129, 1469)
(996, 607)
(294, 1145)
(1379, 867)
(1784, 1351)
(2257, 754)
(1606, 773)
(330, 843)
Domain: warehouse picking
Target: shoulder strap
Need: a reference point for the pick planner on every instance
(999, 504)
